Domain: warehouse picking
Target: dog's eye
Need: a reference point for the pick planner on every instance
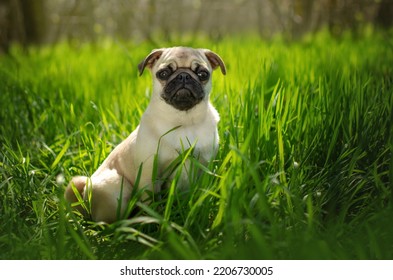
(203, 75)
(163, 74)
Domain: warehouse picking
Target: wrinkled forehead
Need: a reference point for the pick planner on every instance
(183, 57)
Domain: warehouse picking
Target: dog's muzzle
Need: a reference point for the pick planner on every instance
(183, 91)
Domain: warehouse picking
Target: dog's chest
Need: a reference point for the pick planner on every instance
(202, 137)
(171, 135)
(183, 138)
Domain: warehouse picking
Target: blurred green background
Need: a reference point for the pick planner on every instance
(44, 21)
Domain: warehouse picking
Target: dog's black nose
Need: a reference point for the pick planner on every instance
(183, 77)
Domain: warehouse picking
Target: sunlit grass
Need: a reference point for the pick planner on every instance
(304, 168)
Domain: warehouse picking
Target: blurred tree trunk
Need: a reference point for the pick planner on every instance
(200, 18)
(385, 14)
(21, 21)
(146, 23)
(302, 17)
(4, 25)
(34, 23)
(10, 28)
(308, 7)
(278, 14)
(331, 10)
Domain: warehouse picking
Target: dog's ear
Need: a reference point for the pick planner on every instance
(215, 61)
(150, 60)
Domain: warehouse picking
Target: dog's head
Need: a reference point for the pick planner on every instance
(182, 76)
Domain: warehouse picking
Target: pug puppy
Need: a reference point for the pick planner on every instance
(178, 116)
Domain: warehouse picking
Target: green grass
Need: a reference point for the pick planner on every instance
(304, 169)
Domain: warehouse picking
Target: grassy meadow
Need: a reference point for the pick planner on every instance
(304, 170)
